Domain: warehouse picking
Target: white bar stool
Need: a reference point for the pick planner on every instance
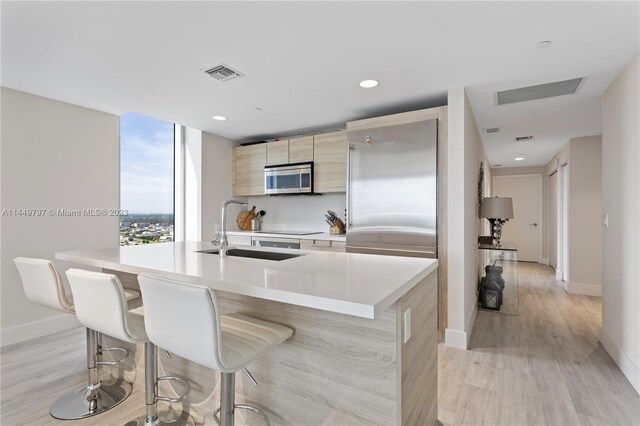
(184, 319)
(101, 305)
(43, 285)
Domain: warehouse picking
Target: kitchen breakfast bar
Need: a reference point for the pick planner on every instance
(364, 347)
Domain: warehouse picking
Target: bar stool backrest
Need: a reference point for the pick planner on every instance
(42, 283)
(100, 303)
(182, 319)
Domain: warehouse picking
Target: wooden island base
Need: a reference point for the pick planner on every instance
(335, 369)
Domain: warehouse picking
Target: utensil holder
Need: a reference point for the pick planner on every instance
(256, 224)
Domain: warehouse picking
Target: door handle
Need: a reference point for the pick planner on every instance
(533, 224)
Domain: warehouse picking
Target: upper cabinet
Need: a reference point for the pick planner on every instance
(327, 151)
(301, 149)
(277, 152)
(295, 150)
(330, 162)
(248, 169)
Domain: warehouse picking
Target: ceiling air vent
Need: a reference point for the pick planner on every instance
(492, 130)
(223, 73)
(523, 138)
(540, 91)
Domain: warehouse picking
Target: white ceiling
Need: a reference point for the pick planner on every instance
(303, 60)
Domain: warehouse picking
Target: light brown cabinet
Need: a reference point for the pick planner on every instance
(327, 151)
(248, 169)
(330, 162)
(301, 149)
(278, 152)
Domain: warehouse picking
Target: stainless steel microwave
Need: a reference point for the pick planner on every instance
(294, 178)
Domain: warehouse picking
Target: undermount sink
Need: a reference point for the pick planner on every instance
(255, 254)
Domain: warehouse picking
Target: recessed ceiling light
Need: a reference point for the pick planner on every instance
(368, 84)
(519, 158)
(219, 117)
(543, 44)
(257, 109)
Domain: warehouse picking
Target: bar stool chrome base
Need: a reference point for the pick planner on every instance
(151, 379)
(216, 414)
(225, 414)
(79, 404)
(96, 397)
(164, 418)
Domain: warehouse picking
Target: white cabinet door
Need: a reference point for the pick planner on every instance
(322, 245)
(238, 240)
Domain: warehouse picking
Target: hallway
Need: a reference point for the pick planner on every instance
(544, 366)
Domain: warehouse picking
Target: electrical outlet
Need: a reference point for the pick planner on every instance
(606, 220)
(406, 321)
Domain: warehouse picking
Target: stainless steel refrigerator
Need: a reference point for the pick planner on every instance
(392, 190)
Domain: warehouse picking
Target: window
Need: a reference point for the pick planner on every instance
(146, 180)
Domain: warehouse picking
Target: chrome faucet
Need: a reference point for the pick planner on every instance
(223, 243)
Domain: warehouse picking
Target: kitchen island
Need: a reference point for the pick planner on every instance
(351, 360)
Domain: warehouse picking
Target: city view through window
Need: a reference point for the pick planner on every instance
(146, 180)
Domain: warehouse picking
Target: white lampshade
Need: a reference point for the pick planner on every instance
(497, 208)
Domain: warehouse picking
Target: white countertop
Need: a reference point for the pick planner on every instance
(348, 283)
(324, 236)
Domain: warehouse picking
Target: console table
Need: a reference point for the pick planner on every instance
(505, 256)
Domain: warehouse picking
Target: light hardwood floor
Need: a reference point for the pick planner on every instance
(542, 367)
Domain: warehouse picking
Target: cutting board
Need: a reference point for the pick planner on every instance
(245, 217)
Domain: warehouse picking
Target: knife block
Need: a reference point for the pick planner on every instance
(334, 230)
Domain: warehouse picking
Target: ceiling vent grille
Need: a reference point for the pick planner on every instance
(540, 91)
(523, 138)
(222, 73)
(492, 130)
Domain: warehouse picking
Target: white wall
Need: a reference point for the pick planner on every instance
(206, 183)
(192, 139)
(620, 333)
(301, 212)
(585, 220)
(463, 226)
(54, 155)
(584, 157)
(217, 155)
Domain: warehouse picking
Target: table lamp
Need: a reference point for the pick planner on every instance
(497, 210)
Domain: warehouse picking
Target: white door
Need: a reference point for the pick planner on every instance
(553, 221)
(565, 224)
(525, 228)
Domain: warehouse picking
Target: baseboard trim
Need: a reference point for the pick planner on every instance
(460, 339)
(33, 330)
(455, 339)
(626, 364)
(545, 261)
(584, 289)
